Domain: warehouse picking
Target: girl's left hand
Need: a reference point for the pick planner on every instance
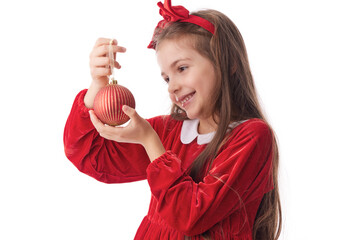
(137, 131)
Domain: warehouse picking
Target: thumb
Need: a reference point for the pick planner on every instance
(131, 112)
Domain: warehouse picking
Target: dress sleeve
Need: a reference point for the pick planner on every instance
(240, 174)
(105, 160)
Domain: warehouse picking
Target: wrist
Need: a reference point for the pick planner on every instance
(98, 84)
(153, 146)
(91, 93)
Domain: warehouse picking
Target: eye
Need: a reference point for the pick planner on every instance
(182, 68)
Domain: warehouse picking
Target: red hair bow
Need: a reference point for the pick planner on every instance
(178, 14)
(172, 13)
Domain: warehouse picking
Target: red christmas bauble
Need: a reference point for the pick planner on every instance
(109, 101)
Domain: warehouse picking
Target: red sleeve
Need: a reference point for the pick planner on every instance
(240, 174)
(102, 159)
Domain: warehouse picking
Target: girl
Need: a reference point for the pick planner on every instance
(212, 163)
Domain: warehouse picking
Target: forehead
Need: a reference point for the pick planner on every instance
(182, 41)
(170, 50)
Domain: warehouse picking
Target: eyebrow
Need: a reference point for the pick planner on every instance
(174, 63)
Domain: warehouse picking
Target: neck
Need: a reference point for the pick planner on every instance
(207, 126)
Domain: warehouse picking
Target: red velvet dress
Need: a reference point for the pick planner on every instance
(224, 204)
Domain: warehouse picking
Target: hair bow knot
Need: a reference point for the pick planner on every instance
(178, 14)
(172, 13)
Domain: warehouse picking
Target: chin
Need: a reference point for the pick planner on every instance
(190, 115)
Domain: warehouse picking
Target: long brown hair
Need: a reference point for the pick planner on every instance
(236, 100)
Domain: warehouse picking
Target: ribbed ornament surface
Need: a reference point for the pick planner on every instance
(108, 104)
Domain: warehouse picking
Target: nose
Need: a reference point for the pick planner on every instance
(173, 85)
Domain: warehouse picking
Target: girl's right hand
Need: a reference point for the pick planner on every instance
(100, 60)
(100, 67)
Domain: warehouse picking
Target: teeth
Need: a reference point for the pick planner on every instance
(186, 99)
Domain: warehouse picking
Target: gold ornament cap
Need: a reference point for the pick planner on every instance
(113, 81)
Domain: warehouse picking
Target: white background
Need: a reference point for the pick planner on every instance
(304, 57)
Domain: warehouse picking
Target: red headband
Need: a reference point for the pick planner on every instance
(178, 14)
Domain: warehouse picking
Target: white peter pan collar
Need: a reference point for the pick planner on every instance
(189, 132)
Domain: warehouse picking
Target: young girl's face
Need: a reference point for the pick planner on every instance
(190, 76)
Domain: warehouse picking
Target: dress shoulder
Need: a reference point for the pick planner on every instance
(251, 128)
(163, 124)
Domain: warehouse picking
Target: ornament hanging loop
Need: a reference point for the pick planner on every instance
(112, 62)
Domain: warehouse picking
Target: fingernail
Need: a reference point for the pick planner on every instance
(126, 109)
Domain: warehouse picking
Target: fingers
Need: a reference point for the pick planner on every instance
(104, 41)
(106, 131)
(135, 132)
(102, 62)
(99, 72)
(131, 112)
(99, 59)
(102, 50)
(96, 122)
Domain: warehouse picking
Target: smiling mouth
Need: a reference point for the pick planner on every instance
(183, 101)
